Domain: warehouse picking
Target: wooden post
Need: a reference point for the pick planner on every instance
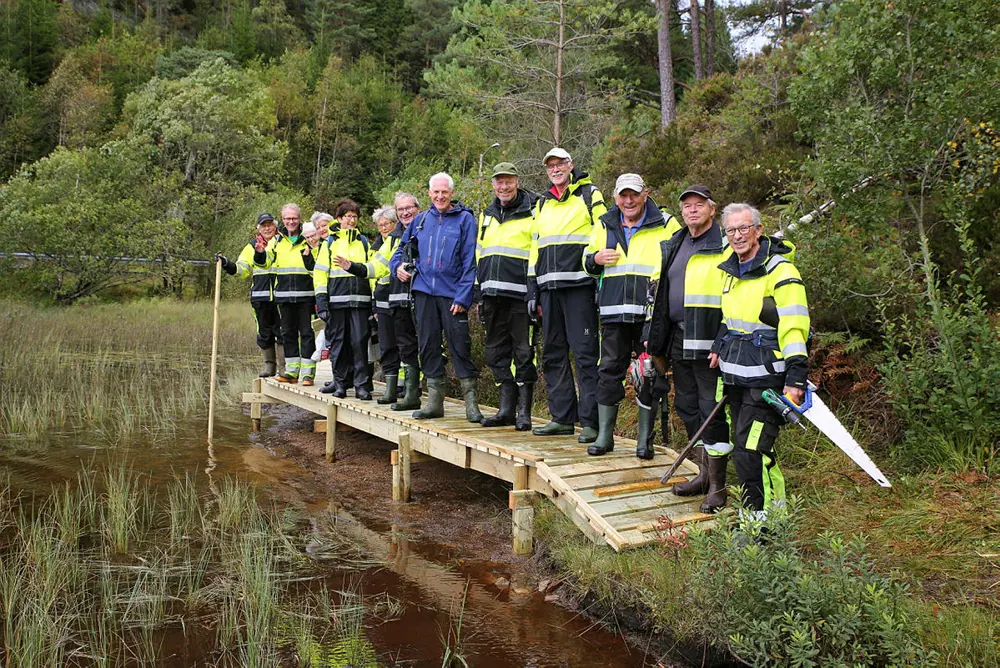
(255, 406)
(331, 432)
(215, 351)
(522, 512)
(401, 488)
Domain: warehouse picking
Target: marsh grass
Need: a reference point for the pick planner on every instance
(102, 573)
(120, 370)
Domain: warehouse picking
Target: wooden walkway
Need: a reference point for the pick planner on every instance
(614, 499)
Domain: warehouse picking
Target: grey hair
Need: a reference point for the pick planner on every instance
(320, 216)
(737, 207)
(388, 211)
(441, 175)
(293, 206)
(405, 195)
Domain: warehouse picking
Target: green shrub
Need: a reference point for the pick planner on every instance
(762, 598)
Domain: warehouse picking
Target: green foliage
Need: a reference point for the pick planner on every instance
(758, 594)
(82, 213)
(19, 121)
(29, 36)
(185, 60)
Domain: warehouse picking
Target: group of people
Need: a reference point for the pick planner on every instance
(628, 289)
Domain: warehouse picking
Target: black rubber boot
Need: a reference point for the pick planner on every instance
(508, 400)
(472, 413)
(270, 363)
(699, 484)
(411, 395)
(362, 394)
(525, 396)
(391, 390)
(644, 442)
(554, 429)
(607, 416)
(716, 498)
(434, 408)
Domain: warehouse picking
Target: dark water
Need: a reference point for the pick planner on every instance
(510, 627)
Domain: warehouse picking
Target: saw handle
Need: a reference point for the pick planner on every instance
(807, 403)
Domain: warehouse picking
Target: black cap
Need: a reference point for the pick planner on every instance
(700, 191)
(264, 218)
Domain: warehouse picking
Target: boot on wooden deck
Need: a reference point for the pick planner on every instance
(411, 396)
(716, 497)
(434, 408)
(391, 389)
(472, 413)
(699, 484)
(607, 416)
(524, 399)
(508, 400)
(644, 441)
(270, 363)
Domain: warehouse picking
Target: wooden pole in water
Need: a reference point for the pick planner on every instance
(215, 351)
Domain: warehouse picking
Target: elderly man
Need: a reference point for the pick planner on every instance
(760, 344)
(292, 261)
(624, 254)
(443, 272)
(265, 311)
(686, 317)
(562, 293)
(382, 250)
(502, 270)
(401, 305)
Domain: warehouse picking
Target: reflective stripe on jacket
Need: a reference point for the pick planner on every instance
(338, 288)
(262, 282)
(623, 287)
(762, 339)
(383, 249)
(560, 234)
(504, 246)
(292, 270)
(702, 296)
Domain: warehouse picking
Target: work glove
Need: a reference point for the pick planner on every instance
(323, 315)
(226, 264)
(533, 308)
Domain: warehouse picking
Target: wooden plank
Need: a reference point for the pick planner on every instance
(647, 519)
(602, 465)
(665, 501)
(520, 477)
(331, 434)
(636, 486)
(259, 398)
(404, 466)
(522, 521)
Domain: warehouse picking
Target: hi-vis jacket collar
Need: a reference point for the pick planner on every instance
(525, 204)
(771, 251)
(576, 179)
(653, 216)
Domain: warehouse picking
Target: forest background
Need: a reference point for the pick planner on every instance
(866, 131)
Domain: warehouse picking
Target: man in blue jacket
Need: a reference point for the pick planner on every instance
(438, 253)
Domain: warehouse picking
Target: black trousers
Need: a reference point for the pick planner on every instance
(387, 346)
(406, 336)
(618, 341)
(508, 338)
(569, 323)
(435, 318)
(297, 337)
(696, 391)
(347, 336)
(755, 430)
(265, 314)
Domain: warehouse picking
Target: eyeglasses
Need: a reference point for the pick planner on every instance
(742, 230)
(406, 208)
(552, 166)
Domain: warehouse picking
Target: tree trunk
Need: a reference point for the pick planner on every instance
(783, 11)
(709, 38)
(557, 120)
(694, 12)
(668, 108)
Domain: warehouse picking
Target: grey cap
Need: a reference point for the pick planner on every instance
(629, 182)
(556, 152)
(505, 169)
(700, 191)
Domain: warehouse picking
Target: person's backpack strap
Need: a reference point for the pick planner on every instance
(586, 191)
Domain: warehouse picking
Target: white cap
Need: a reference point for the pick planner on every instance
(629, 182)
(556, 152)
(308, 229)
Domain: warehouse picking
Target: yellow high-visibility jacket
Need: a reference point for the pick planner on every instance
(623, 287)
(504, 247)
(702, 296)
(292, 269)
(560, 234)
(262, 278)
(337, 288)
(382, 281)
(762, 339)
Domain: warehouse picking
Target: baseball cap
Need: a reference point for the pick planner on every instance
(264, 218)
(629, 182)
(505, 169)
(700, 191)
(556, 152)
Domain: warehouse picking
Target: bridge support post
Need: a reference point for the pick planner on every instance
(522, 506)
(331, 432)
(255, 412)
(401, 463)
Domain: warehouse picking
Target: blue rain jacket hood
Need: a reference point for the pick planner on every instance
(446, 253)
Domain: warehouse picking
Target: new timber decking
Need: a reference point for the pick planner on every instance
(614, 499)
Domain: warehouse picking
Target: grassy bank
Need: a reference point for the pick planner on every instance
(110, 571)
(120, 369)
(925, 554)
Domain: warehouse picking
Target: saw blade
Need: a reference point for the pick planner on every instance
(824, 420)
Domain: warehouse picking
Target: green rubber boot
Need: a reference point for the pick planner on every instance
(644, 441)
(554, 429)
(391, 389)
(435, 400)
(607, 416)
(411, 397)
(472, 413)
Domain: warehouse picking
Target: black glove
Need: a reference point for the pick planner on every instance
(533, 308)
(323, 315)
(230, 267)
